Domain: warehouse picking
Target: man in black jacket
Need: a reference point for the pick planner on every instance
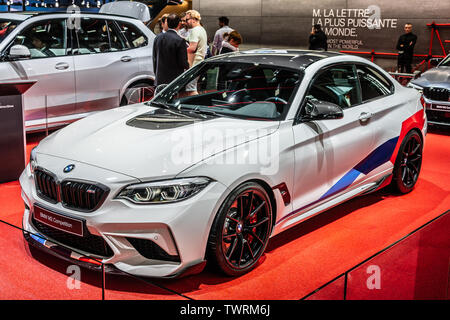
(405, 47)
(169, 53)
(318, 39)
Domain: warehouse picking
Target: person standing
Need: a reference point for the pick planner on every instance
(405, 47)
(169, 52)
(198, 39)
(232, 44)
(198, 43)
(184, 30)
(164, 25)
(218, 37)
(317, 38)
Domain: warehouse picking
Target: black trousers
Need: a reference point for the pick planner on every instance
(404, 63)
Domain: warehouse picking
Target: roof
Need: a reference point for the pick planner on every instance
(123, 9)
(14, 16)
(288, 58)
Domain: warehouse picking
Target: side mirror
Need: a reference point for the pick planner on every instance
(321, 110)
(19, 51)
(160, 88)
(435, 61)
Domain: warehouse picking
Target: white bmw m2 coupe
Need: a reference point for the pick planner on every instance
(232, 152)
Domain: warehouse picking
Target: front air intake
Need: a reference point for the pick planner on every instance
(46, 185)
(151, 250)
(82, 196)
(436, 94)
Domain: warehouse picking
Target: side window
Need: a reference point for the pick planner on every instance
(44, 39)
(92, 36)
(338, 85)
(116, 40)
(373, 84)
(135, 38)
(98, 36)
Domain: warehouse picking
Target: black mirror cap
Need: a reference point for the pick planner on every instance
(321, 110)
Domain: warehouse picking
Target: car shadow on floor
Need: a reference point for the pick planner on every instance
(436, 129)
(210, 276)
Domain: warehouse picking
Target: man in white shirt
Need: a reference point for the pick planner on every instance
(198, 39)
(218, 37)
(198, 44)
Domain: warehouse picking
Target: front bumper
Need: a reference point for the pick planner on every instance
(180, 229)
(438, 112)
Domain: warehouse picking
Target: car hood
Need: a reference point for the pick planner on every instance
(147, 143)
(439, 77)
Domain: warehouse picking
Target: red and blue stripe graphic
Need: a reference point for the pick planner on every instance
(376, 158)
(386, 152)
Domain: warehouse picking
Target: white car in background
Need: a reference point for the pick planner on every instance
(268, 139)
(82, 62)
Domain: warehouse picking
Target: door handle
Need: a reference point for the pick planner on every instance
(62, 66)
(125, 59)
(365, 116)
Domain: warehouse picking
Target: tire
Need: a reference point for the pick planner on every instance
(137, 93)
(241, 230)
(408, 163)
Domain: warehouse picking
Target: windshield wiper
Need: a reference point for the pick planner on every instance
(159, 104)
(202, 111)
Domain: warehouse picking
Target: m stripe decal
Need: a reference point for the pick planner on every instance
(376, 158)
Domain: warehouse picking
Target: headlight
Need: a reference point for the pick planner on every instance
(163, 191)
(415, 86)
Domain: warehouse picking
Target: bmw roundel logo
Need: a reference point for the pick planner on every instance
(69, 168)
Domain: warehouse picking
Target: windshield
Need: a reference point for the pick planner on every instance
(6, 27)
(244, 90)
(445, 62)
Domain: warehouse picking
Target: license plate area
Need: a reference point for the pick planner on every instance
(440, 107)
(59, 221)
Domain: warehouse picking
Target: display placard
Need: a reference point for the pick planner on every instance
(12, 133)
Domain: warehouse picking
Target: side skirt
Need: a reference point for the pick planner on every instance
(315, 208)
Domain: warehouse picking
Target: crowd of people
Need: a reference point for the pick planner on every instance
(183, 43)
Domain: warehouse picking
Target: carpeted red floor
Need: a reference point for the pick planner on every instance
(296, 262)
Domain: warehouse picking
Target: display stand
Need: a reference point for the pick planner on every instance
(12, 133)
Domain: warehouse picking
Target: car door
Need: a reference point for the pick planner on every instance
(50, 65)
(139, 45)
(327, 152)
(102, 65)
(377, 94)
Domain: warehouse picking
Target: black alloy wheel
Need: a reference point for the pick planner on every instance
(241, 230)
(408, 163)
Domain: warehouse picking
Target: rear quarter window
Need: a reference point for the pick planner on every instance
(134, 36)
